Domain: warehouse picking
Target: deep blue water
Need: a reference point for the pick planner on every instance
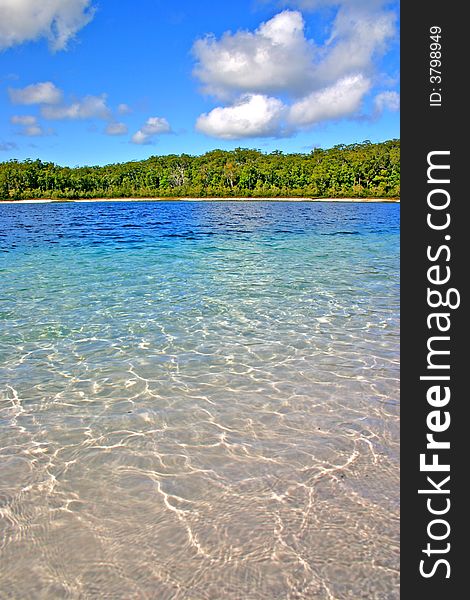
(128, 224)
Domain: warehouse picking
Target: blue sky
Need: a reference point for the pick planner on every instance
(100, 81)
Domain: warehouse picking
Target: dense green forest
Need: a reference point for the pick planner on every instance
(357, 170)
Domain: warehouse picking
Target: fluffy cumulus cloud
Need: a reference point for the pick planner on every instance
(56, 20)
(254, 115)
(153, 126)
(275, 57)
(89, 107)
(386, 101)
(333, 102)
(37, 93)
(316, 81)
(53, 107)
(358, 35)
(29, 126)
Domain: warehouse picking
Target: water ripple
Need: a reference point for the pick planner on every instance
(209, 412)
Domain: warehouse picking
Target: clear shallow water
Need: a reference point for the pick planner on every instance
(199, 401)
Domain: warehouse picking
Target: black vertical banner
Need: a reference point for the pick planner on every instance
(434, 299)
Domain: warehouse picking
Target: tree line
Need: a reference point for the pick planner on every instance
(357, 170)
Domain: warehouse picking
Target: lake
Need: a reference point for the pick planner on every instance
(199, 400)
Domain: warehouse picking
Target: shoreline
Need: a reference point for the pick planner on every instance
(184, 199)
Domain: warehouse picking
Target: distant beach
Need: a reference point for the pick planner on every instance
(227, 199)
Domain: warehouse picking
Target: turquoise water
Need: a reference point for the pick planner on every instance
(199, 400)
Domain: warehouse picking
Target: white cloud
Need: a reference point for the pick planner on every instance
(357, 37)
(152, 127)
(254, 115)
(386, 101)
(37, 93)
(317, 82)
(89, 107)
(140, 138)
(339, 100)
(56, 20)
(116, 129)
(29, 126)
(124, 109)
(53, 108)
(275, 57)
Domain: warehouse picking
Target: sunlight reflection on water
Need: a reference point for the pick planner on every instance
(199, 400)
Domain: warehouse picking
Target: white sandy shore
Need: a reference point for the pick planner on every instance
(46, 200)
